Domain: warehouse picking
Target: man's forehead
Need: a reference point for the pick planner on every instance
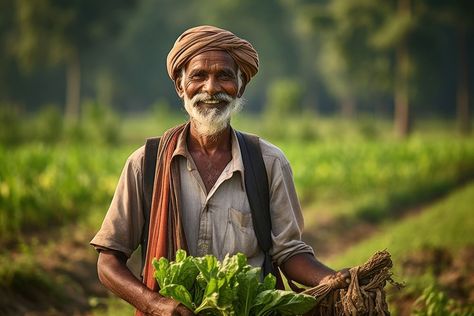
(212, 59)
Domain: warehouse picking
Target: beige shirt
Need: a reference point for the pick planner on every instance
(218, 222)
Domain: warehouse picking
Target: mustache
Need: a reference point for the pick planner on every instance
(221, 96)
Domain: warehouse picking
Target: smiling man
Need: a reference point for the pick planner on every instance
(200, 202)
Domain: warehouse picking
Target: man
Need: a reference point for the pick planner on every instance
(199, 198)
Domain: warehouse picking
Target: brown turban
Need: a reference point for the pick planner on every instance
(205, 38)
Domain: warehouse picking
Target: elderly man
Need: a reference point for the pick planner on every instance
(199, 198)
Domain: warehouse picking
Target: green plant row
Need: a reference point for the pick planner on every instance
(377, 176)
(43, 186)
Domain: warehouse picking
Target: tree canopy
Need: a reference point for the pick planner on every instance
(397, 56)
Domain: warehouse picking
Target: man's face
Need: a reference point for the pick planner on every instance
(210, 88)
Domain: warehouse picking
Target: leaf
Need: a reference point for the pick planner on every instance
(185, 273)
(247, 289)
(269, 283)
(207, 265)
(211, 303)
(231, 265)
(297, 304)
(282, 302)
(180, 255)
(161, 271)
(179, 293)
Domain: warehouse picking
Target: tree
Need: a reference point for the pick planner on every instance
(351, 68)
(370, 47)
(457, 15)
(59, 32)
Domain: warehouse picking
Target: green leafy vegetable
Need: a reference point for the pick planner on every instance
(231, 287)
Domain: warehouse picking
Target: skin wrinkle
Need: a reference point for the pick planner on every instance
(211, 121)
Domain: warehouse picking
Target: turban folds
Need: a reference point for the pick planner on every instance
(206, 38)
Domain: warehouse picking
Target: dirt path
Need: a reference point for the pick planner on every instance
(332, 236)
(68, 265)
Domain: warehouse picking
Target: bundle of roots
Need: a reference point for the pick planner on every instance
(364, 295)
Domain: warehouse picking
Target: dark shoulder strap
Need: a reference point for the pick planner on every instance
(256, 185)
(149, 166)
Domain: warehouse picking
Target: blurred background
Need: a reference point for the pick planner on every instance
(370, 101)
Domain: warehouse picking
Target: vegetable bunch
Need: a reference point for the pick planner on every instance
(231, 287)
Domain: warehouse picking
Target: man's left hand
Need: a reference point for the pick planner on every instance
(339, 280)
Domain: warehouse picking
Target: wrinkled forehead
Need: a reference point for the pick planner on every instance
(211, 60)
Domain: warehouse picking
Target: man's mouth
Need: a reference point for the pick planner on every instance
(212, 103)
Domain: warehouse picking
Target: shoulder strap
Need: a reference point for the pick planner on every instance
(149, 166)
(256, 185)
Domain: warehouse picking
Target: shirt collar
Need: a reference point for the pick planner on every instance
(236, 163)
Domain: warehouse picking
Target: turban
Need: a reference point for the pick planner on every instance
(206, 38)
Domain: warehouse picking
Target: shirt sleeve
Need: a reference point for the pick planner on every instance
(286, 216)
(123, 224)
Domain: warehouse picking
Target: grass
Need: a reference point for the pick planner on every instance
(446, 224)
(44, 185)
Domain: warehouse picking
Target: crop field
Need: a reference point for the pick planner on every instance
(53, 197)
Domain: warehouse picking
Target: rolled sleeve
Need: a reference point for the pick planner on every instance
(287, 219)
(122, 226)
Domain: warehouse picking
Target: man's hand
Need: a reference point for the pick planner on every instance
(115, 275)
(339, 280)
(306, 269)
(163, 306)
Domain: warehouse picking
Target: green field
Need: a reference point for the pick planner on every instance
(344, 172)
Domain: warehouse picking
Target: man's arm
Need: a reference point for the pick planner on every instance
(305, 269)
(115, 275)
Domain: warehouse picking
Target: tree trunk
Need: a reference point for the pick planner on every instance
(348, 107)
(463, 115)
(402, 69)
(73, 88)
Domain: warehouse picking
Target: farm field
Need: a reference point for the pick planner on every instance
(359, 191)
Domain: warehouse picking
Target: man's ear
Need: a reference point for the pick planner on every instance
(178, 84)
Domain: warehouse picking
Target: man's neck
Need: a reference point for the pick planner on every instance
(209, 144)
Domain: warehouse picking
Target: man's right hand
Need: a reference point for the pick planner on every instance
(163, 306)
(115, 275)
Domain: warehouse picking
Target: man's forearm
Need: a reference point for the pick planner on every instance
(305, 269)
(116, 276)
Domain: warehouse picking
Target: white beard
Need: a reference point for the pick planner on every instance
(211, 121)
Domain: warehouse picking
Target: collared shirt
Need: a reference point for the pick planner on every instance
(215, 222)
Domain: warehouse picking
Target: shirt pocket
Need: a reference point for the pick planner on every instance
(240, 235)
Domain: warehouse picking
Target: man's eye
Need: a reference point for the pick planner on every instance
(226, 77)
(197, 76)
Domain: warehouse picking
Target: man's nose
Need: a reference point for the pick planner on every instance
(212, 86)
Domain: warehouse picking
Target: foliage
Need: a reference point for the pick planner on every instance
(378, 177)
(49, 125)
(435, 303)
(42, 186)
(231, 287)
(99, 124)
(284, 98)
(445, 225)
(11, 129)
(432, 228)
